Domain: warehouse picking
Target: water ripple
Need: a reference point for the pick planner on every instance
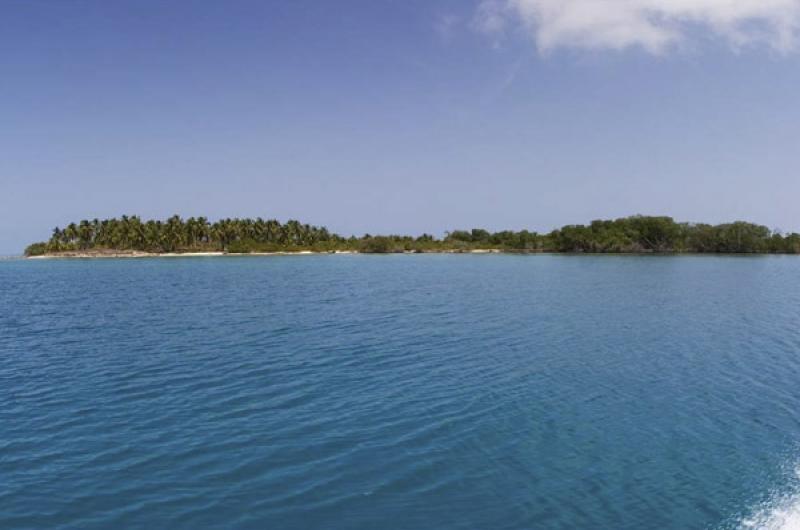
(398, 392)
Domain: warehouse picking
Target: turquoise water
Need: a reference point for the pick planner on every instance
(400, 392)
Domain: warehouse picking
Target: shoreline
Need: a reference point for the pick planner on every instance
(139, 254)
(107, 254)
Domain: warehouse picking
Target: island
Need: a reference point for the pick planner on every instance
(130, 236)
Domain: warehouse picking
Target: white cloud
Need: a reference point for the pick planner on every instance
(654, 25)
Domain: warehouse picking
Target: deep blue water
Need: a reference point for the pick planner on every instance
(400, 392)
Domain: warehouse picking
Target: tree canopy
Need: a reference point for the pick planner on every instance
(636, 234)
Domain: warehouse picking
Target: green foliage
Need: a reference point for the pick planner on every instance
(36, 249)
(193, 234)
(379, 245)
(629, 234)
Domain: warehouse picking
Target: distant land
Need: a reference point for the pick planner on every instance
(131, 236)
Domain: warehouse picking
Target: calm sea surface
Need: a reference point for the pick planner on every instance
(400, 392)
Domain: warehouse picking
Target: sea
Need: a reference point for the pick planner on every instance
(400, 392)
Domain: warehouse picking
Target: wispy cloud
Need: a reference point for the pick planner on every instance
(656, 26)
(446, 25)
(491, 16)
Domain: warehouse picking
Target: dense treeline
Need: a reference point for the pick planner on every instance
(629, 234)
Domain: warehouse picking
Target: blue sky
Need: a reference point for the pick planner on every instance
(398, 116)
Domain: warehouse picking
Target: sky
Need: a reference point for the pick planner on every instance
(398, 116)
